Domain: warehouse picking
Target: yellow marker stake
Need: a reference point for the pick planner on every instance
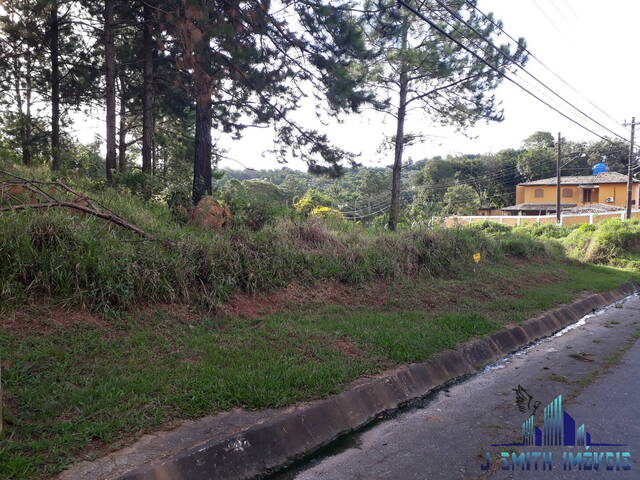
(477, 257)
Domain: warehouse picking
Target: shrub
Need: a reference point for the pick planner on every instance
(254, 202)
(545, 230)
(325, 212)
(521, 246)
(179, 202)
(141, 183)
(605, 241)
(311, 200)
(491, 228)
(85, 260)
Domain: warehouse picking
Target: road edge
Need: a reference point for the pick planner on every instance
(272, 445)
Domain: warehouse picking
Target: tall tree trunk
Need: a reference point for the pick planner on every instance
(20, 103)
(110, 80)
(162, 154)
(56, 162)
(202, 160)
(394, 211)
(122, 129)
(154, 148)
(147, 91)
(203, 83)
(26, 138)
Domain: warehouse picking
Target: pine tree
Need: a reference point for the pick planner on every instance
(424, 70)
(249, 60)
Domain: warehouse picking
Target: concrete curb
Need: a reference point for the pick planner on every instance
(276, 443)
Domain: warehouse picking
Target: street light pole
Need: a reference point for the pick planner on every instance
(630, 168)
(558, 207)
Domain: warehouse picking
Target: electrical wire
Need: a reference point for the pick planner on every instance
(493, 67)
(570, 8)
(522, 67)
(544, 65)
(548, 17)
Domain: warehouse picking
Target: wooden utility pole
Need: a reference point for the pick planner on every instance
(558, 206)
(630, 168)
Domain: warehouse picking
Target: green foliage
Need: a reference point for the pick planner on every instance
(537, 163)
(521, 246)
(545, 231)
(540, 140)
(325, 212)
(178, 200)
(140, 183)
(461, 200)
(254, 202)
(294, 186)
(84, 260)
(605, 241)
(311, 200)
(373, 182)
(491, 228)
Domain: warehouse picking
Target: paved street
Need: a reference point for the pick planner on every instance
(594, 366)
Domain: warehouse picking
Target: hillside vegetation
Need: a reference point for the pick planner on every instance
(82, 260)
(105, 335)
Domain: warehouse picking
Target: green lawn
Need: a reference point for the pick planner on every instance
(73, 389)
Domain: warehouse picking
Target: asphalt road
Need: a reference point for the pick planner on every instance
(595, 366)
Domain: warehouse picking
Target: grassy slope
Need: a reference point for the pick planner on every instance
(79, 381)
(78, 387)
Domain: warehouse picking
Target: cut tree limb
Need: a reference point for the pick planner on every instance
(106, 216)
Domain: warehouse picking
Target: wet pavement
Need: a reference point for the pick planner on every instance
(594, 365)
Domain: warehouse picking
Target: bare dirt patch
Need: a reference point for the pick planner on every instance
(47, 319)
(347, 347)
(173, 311)
(382, 295)
(390, 295)
(296, 295)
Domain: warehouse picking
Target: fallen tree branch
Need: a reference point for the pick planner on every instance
(36, 184)
(105, 216)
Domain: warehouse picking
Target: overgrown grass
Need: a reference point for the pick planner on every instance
(78, 387)
(605, 242)
(86, 261)
(613, 241)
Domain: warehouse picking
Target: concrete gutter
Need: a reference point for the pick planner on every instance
(291, 434)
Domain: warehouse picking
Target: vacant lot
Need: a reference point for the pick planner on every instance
(78, 383)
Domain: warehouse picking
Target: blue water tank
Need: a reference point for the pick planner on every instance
(600, 168)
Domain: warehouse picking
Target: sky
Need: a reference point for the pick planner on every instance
(591, 44)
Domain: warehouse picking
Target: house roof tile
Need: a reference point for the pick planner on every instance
(605, 177)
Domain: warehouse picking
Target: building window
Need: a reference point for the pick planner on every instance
(567, 193)
(538, 193)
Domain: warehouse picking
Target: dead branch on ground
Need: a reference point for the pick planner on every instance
(16, 186)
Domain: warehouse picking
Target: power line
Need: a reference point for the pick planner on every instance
(493, 67)
(370, 214)
(560, 12)
(544, 65)
(534, 87)
(570, 8)
(548, 17)
(512, 59)
(373, 205)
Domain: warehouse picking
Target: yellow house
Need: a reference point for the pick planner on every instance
(605, 191)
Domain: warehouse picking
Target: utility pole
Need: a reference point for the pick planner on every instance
(558, 206)
(630, 168)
